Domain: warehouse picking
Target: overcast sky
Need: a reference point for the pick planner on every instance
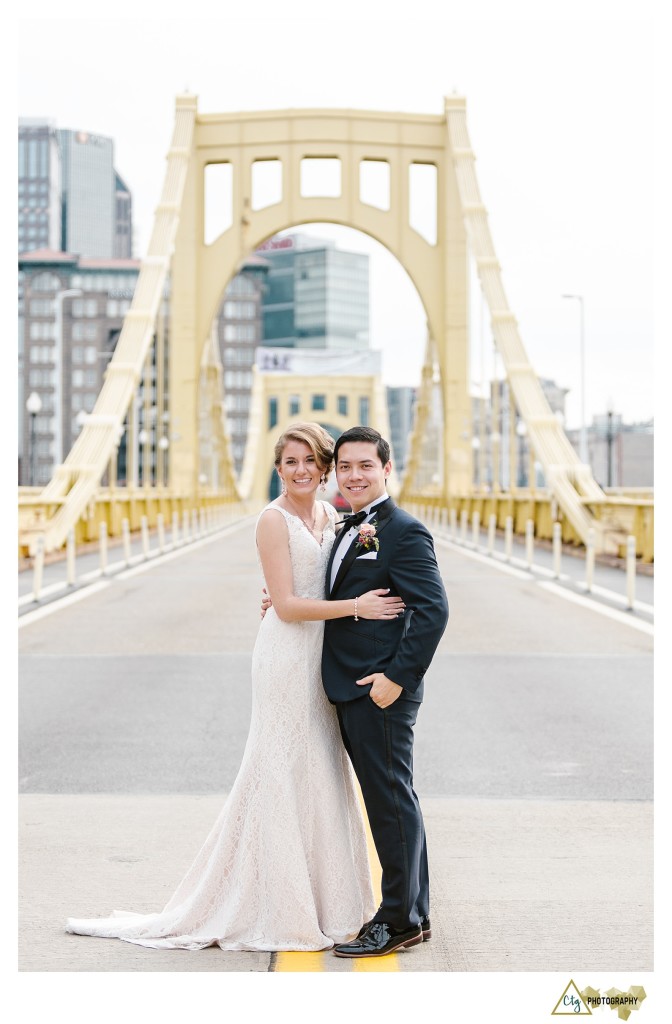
(560, 118)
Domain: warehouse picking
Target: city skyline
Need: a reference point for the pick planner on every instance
(556, 182)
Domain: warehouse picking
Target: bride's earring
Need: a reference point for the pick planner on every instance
(284, 487)
(323, 483)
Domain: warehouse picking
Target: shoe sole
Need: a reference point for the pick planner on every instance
(427, 935)
(402, 945)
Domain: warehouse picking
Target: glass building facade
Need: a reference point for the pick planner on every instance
(39, 181)
(88, 194)
(71, 199)
(317, 296)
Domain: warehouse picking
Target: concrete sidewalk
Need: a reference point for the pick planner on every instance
(517, 885)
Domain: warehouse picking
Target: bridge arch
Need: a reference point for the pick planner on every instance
(438, 271)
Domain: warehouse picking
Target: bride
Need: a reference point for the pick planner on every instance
(285, 866)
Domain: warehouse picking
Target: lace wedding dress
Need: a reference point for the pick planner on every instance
(285, 866)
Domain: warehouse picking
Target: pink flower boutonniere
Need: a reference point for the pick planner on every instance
(367, 539)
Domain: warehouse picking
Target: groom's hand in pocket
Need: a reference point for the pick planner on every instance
(383, 692)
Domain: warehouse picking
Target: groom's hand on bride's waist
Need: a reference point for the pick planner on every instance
(384, 691)
(266, 602)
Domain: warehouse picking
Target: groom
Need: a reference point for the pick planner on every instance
(373, 671)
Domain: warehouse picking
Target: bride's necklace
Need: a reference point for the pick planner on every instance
(311, 526)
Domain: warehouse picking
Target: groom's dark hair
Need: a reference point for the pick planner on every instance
(369, 435)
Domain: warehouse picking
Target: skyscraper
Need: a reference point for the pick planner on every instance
(71, 199)
(88, 194)
(317, 295)
(39, 203)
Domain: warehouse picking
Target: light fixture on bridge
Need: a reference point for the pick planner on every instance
(34, 407)
(143, 436)
(163, 443)
(81, 418)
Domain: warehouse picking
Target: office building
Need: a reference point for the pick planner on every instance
(620, 454)
(317, 296)
(401, 409)
(123, 212)
(70, 196)
(39, 199)
(239, 332)
(70, 321)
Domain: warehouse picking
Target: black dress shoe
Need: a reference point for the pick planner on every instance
(378, 939)
(424, 924)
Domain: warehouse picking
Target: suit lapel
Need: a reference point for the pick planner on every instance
(332, 555)
(382, 518)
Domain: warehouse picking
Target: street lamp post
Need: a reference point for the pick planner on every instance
(58, 369)
(583, 441)
(34, 407)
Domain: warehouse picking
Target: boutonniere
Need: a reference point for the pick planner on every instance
(367, 540)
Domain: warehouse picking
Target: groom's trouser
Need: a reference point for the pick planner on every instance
(379, 742)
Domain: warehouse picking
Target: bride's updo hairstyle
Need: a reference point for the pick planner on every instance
(317, 439)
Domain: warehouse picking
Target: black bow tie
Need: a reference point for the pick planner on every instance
(353, 518)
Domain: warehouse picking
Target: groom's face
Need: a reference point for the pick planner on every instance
(360, 474)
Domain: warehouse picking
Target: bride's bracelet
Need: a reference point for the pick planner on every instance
(356, 616)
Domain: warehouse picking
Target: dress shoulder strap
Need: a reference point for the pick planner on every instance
(287, 516)
(330, 510)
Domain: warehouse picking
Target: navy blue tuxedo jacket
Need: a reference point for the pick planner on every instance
(402, 648)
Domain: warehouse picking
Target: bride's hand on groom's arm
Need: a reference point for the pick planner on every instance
(383, 691)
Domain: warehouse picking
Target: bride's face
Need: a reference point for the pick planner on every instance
(298, 469)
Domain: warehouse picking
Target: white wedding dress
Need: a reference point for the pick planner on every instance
(285, 866)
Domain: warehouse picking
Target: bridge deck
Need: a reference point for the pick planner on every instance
(533, 765)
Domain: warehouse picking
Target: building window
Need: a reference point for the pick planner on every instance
(45, 283)
(84, 332)
(77, 378)
(342, 405)
(294, 405)
(84, 307)
(272, 412)
(90, 354)
(239, 310)
(42, 307)
(42, 331)
(364, 411)
(319, 403)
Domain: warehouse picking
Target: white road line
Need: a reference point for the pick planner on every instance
(127, 574)
(94, 588)
(53, 588)
(485, 559)
(625, 618)
(63, 602)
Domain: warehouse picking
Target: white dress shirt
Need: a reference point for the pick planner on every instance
(343, 545)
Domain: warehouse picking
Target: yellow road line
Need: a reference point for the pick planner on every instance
(287, 961)
(374, 963)
(318, 962)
